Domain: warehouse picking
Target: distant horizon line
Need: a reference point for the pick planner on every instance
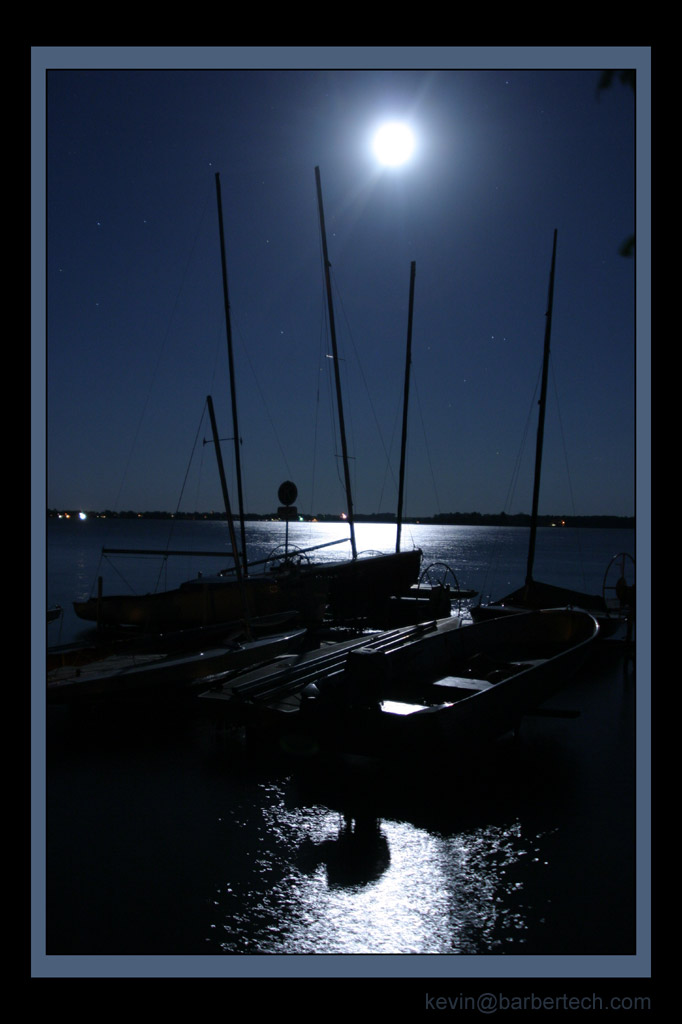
(386, 518)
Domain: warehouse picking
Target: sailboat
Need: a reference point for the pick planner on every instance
(359, 586)
(171, 667)
(208, 600)
(347, 589)
(534, 594)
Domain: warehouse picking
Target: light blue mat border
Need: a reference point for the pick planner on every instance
(401, 57)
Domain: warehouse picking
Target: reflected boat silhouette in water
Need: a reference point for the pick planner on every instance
(358, 855)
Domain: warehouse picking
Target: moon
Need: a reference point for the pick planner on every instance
(393, 143)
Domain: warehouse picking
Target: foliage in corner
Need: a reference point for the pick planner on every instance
(627, 77)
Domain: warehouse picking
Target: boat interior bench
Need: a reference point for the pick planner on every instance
(456, 687)
(438, 694)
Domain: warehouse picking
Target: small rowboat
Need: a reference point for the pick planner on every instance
(441, 685)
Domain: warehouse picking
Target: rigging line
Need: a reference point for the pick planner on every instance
(194, 447)
(511, 490)
(388, 465)
(318, 375)
(245, 351)
(426, 441)
(201, 469)
(162, 349)
(348, 404)
(163, 567)
(345, 457)
(219, 386)
(563, 439)
(326, 329)
(516, 470)
(369, 396)
(568, 474)
(119, 573)
(101, 558)
(334, 428)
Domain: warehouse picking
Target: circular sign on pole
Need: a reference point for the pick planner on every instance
(287, 493)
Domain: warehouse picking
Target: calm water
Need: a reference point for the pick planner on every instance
(165, 837)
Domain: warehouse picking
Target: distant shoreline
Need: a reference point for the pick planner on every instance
(388, 519)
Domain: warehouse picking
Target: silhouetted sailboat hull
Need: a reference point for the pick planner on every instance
(351, 589)
(361, 587)
(208, 600)
(536, 595)
(136, 675)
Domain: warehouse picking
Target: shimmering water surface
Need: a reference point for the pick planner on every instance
(168, 836)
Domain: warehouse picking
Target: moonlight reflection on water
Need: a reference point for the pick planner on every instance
(372, 887)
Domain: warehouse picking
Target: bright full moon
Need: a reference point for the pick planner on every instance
(393, 144)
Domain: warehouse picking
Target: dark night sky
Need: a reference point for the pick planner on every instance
(135, 318)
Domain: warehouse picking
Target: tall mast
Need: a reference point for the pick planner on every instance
(403, 444)
(332, 330)
(541, 421)
(228, 511)
(233, 393)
